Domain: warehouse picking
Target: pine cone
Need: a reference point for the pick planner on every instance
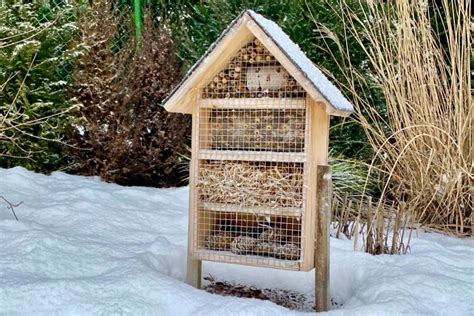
(220, 241)
(243, 245)
(288, 251)
(271, 234)
(264, 248)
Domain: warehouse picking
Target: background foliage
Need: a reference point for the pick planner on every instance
(37, 54)
(87, 57)
(124, 134)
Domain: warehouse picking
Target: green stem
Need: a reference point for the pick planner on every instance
(138, 21)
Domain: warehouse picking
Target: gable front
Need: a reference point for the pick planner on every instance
(214, 65)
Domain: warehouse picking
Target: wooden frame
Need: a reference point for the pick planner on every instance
(308, 217)
(312, 214)
(307, 261)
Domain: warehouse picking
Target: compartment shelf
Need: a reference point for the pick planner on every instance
(229, 257)
(216, 154)
(258, 210)
(254, 103)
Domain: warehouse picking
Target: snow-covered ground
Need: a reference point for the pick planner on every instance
(86, 247)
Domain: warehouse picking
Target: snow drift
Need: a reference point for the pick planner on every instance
(83, 246)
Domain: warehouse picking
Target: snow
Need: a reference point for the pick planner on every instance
(85, 247)
(294, 53)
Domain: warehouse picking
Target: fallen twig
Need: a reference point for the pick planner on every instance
(11, 206)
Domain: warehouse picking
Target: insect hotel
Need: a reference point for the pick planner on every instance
(259, 180)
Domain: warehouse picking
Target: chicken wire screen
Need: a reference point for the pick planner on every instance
(251, 184)
(250, 212)
(253, 73)
(259, 238)
(250, 171)
(279, 130)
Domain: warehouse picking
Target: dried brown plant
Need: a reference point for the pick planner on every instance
(423, 143)
(126, 135)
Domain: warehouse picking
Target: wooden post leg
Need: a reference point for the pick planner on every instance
(194, 272)
(321, 254)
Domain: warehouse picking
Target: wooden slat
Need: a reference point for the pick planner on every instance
(259, 261)
(317, 137)
(250, 155)
(194, 267)
(323, 213)
(254, 103)
(259, 210)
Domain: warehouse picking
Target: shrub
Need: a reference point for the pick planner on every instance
(36, 57)
(125, 135)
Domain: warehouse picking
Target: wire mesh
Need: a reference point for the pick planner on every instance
(251, 168)
(277, 130)
(253, 73)
(251, 183)
(256, 235)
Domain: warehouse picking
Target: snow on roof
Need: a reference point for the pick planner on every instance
(305, 66)
(294, 53)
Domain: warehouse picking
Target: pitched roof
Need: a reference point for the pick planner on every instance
(315, 82)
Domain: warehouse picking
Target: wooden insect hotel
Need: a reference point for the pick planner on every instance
(261, 114)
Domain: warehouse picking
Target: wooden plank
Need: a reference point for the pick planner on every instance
(252, 260)
(258, 210)
(182, 100)
(253, 103)
(317, 137)
(292, 69)
(194, 272)
(205, 129)
(251, 155)
(194, 267)
(324, 195)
